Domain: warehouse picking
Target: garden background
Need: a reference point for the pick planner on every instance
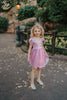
(51, 14)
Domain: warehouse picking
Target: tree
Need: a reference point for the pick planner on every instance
(57, 10)
(42, 14)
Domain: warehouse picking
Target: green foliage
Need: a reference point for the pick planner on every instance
(57, 10)
(41, 3)
(59, 51)
(24, 1)
(3, 23)
(49, 49)
(26, 12)
(21, 14)
(1, 4)
(8, 2)
(61, 29)
(38, 1)
(29, 24)
(42, 14)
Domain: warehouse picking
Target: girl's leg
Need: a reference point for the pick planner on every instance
(32, 75)
(38, 74)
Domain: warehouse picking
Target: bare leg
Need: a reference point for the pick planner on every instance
(32, 75)
(38, 74)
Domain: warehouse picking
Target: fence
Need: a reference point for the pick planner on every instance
(54, 36)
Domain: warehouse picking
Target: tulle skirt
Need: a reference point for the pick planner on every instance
(39, 58)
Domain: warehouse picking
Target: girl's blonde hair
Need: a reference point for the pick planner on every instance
(37, 25)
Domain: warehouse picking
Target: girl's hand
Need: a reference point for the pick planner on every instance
(47, 56)
(28, 60)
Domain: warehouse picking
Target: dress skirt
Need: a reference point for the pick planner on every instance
(38, 58)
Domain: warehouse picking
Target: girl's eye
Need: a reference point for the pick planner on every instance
(38, 31)
(35, 31)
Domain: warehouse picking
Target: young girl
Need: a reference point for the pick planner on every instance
(37, 56)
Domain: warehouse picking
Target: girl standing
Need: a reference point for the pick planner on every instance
(37, 56)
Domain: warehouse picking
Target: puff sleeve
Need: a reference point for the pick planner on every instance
(42, 39)
(31, 41)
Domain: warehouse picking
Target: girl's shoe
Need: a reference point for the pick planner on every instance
(40, 82)
(33, 87)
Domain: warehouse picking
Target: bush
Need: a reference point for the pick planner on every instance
(29, 24)
(3, 23)
(61, 28)
(59, 51)
(57, 10)
(60, 42)
(41, 3)
(21, 14)
(26, 12)
(48, 49)
(42, 14)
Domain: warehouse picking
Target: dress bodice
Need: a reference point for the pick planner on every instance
(37, 43)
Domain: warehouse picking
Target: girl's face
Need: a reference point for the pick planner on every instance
(37, 32)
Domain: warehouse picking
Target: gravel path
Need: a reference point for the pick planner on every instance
(15, 75)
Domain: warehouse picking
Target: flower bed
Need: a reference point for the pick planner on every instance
(60, 42)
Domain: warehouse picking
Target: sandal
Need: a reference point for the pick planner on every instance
(40, 82)
(33, 87)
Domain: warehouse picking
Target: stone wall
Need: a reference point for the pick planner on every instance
(11, 28)
(11, 16)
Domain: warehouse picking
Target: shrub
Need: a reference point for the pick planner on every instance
(41, 3)
(26, 12)
(59, 51)
(21, 14)
(48, 49)
(3, 23)
(57, 10)
(61, 28)
(29, 24)
(42, 14)
(60, 42)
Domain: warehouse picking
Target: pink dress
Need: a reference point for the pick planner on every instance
(39, 57)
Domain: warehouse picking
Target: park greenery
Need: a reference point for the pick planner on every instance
(6, 2)
(4, 22)
(10, 3)
(52, 11)
(60, 42)
(56, 10)
(26, 12)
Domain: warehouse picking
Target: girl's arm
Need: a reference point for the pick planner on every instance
(29, 52)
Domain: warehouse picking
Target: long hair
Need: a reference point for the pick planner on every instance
(39, 27)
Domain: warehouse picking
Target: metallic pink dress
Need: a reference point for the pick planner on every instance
(39, 57)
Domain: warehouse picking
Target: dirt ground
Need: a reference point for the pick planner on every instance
(15, 75)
